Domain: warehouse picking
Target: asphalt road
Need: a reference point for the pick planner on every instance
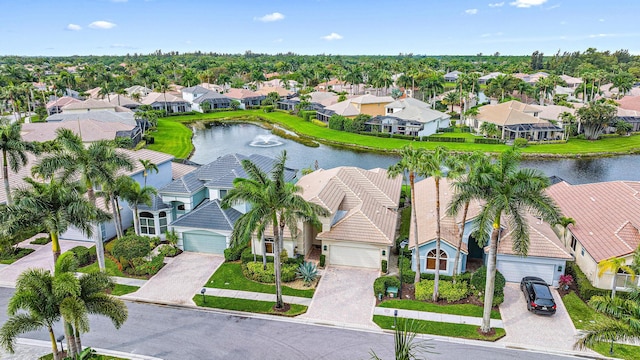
(178, 333)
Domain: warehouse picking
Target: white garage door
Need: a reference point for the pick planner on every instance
(354, 256)
(514, 271)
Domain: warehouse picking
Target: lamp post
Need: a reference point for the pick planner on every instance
(60, 338)
(395, 318)
(204, 299)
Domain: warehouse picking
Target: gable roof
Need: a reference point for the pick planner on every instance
(543, 242)
(344, 108)
(209, 215)
(362, 202)
(371, 99)
(415, 110)
(607, 215)
(187, 184)
(195, 90)
(630, 102)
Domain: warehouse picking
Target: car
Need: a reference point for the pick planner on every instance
(538, 296)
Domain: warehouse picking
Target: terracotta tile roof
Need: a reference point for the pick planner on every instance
(242, 93)
(510, 113)
(91, 130)
(543, 241)
(265, 90)
(607, 215)
(63, 101)
(89, 104)
(630, 103)
(364, 201)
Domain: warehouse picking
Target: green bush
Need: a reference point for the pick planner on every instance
(408, 275)
(384, 266)
(446, 130)
(82, 255)
(447, 290)
(167, 250)
(381, 284)
(487, 141)
(319, 123)
(267, 108)
(443, 139)
(405, 137)
(308, 115)
(255, 271)
(378, 134)
(141, 267)
(323, 258)
(585, 290)
(234, 253)
(41, 240)
(130, 247)
(520, 142)
(478, 282)
(247, 256)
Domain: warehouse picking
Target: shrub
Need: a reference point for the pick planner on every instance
(585, 290)
(323, 258)
(308, 272)
(268, 108)
(520, 142)
(319, 123)
(255, 271)
(384, 266)
(424, 290)
(381, 284)
(446, 130)
(248, 256)
(405, 137)
(565, 280)
(130, 247)
(141, 267)
(308, 115)
(447, 290)
(234, 253)
(478, 282)
(168, 250)
(443, 139)
(82, 255)
(408, 275)
(487, 141)
(41, 240)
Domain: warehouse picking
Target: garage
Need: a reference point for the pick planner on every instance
(204, 242)
(354, 256)
(514, 271)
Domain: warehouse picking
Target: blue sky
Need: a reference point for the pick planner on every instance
(511, 27)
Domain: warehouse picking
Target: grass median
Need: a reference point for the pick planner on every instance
(463, 331)
(453, 309)
(253, 306)
(121, 289)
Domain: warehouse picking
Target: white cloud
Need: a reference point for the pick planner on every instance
(553, 7)
(332, 36)
(276, 16)
(601, 20)
(101, 24)
(74, 27)
(527, 3)
(496, 4)
(471, 11)
(279, 40)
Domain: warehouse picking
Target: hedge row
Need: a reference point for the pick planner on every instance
(487, 141)
(585, 290)
(443, 139)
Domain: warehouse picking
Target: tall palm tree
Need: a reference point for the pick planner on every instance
(163, 85)
(411, 163)
(278, 204)
(147, 166)
(135, 195)
(96, 164)
(614, 265)
(507, 192)
(451, 99)
(111, 192)
(56, 205)
(565, 222)
(14, 151)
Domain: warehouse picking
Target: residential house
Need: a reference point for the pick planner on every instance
(365, 104)
(197, 96)
(410, 116)
(452, 76)
(318, 99)
(89, 129)
(546, 257)
(607, 216)
(483, 80)
(55, 106)
(282, 92)
(122, 101)
(246, 97)
(92, 105)
(516, 120)
(94, 93)
(142, 91)
(361, 227)
(572, 82)
(166, 102)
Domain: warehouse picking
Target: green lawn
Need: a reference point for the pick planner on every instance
(173, 138)
(581, 314)
(405, 222)
(442, 329)
(121, 289)
(8, 259)
(180, 138)
(229, 276)
(620, 351)
(254, 306)
(454, 309)
(111, 268)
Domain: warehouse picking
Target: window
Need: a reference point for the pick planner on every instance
(163, 222)
(147, 224)
(624, 280)
(574, 242)
(268, 245)
(431, 260)
(223, 193)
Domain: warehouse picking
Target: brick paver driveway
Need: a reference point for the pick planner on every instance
(539, 331)
(344, 296)
(179, 280)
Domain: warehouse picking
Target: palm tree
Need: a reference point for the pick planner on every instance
(163, 85)
(96, 164)
(565, 222)
(623, 325)
(411, 163)
(56, 205)
(135, 195)
(451, 99)
(147, 166)
(406, 346)
(111, 192)
(508, 192)
(489, 129)
(614, 265)
(273, 202)
(14, 151)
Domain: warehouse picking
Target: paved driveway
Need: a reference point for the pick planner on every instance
(344, 296)
(42, 257)
(179, 280)
(540, 331)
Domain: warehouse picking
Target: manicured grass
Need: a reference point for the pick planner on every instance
(454, 309)
(121, 289)
(442, 329)
(8, 259)
(254, 306)
(581, 313)
(229, 276)
(625, 144)
(43, 240)
(405, 222)
(111, 268)
(620, 351)
(173, 138)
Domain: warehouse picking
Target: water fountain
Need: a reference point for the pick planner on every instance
(265, 141)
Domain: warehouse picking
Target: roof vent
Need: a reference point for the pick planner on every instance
(592, 198)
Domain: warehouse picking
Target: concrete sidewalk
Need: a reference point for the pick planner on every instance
(129, 281)
(238, 294)
(28, 349)
(430, 316)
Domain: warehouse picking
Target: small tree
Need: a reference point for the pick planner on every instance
(595, 117)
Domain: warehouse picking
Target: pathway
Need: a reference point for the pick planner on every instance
(430, 316)
(249, 295)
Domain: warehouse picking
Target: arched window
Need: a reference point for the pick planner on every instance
(431, 260)
(147, 223)
(162, 218)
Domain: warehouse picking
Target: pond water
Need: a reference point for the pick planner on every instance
(213, 142)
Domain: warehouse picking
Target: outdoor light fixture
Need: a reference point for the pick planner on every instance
(204, 299)
(559, 267)
(60, 338)
(384, 253)
(395, 318)
(325, 247)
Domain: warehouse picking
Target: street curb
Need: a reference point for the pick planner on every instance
(47, 344)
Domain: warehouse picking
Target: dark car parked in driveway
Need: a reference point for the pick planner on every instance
(538, 296)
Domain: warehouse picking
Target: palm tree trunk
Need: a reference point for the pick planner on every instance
(136, 222)
(436, 280)
(414, 221)
(464, 219)
(119, 215)
(114, 212)
(613, 285)
(97, 239)
(491, 277)
(5, 176)
(78, 341)
(55, 245)
(264, 253)
(71, 341)
(276, 262)
(54, 344)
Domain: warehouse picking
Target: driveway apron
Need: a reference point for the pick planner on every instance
(178, 281)
(526, 328)
(42, 258)
(344, 296)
